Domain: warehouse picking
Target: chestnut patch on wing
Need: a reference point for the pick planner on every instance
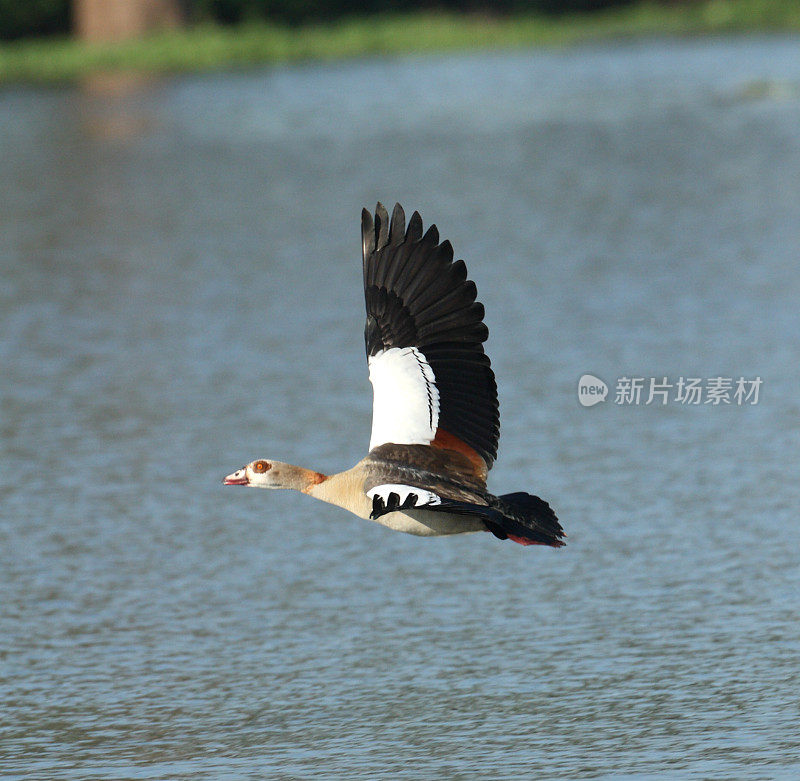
(444, 440)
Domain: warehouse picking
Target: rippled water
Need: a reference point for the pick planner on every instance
(180, 293)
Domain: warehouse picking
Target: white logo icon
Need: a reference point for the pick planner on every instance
(591, 390)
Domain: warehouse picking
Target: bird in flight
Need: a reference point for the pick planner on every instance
(435, 416)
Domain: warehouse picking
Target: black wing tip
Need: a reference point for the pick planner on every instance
(367, 223)
(392, 503)
(367, 235)
(381, 213)
(381, 226)
(414, 230)
(431, 236)
(394, 229)
(397, 227)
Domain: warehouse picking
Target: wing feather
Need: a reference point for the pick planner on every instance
(418, 297)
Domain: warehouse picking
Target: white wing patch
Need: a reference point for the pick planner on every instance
(405, 407)
(404, 494)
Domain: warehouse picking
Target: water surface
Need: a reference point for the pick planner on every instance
(180, 293)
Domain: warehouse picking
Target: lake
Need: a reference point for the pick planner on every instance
(181, 293)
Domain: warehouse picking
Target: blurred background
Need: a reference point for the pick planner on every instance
(22, 18)
(180, 293)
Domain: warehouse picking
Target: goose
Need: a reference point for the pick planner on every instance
(435, 420)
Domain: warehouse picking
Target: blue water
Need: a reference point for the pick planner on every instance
(180, 293)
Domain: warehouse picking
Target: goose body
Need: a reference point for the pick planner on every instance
(435, 421)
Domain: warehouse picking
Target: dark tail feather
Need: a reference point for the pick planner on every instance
(520, 517)
(526, 519)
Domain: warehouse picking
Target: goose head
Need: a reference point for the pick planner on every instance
(257, 474)
(273, 474)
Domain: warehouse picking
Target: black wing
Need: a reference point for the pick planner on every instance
(417, 297)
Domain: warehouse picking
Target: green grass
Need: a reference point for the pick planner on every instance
(208, 47)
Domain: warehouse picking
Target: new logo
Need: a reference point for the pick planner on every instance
(591, 390)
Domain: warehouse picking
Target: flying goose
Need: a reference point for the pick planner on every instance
(435, 418)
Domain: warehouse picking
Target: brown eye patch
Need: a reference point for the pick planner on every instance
(262, 466)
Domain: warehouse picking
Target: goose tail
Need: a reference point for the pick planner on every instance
(526, 519)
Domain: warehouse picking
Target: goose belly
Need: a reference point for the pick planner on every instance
(426, 523)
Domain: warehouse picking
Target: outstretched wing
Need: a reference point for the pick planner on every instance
(432, 382)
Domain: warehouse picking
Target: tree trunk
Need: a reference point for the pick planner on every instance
(115, 20)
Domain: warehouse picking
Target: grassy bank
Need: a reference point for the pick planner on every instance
(208, 48)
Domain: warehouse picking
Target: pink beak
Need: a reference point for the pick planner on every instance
(239, 477)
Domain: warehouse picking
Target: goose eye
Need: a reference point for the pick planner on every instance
(261, 466)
